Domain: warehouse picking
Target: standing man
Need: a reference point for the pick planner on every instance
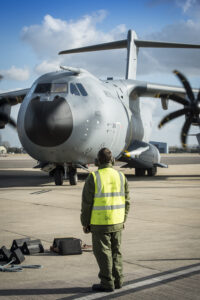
(105, 206)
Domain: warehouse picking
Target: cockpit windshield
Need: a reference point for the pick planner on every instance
(43, 88)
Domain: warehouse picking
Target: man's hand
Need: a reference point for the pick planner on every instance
(86, 229)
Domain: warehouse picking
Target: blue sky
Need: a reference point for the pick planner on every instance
(32, 33)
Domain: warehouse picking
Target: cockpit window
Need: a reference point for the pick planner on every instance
(43, 88)
(74, 90)
(59, 87)
(82, 89)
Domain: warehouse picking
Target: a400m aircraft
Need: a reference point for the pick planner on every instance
(68, 115)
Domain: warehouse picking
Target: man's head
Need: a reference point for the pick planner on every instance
(105, 156)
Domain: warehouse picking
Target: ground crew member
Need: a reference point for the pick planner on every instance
(105, 205)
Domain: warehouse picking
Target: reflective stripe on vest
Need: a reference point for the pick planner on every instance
(109, 198)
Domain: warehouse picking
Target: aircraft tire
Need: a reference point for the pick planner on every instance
(73, 179)
(152, 171)
(58, 176)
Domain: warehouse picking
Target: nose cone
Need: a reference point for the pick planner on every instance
(48, 123)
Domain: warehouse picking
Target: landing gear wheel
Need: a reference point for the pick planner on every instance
(152, 171)
(139, 172)
(58, 176)
(73, 177)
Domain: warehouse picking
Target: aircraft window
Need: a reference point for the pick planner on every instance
(74, 90)
(59, 87)
(82, 89)
(43, 88)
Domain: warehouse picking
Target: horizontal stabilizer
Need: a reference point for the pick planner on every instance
(158, 44)
(124, 43)
(105, 46)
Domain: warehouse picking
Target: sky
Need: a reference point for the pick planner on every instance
(33, 32)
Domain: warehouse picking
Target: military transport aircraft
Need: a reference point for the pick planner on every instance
(68, 115)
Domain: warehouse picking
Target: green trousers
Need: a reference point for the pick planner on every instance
(106, 248)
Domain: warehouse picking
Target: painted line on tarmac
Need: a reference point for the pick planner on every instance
(185, 271)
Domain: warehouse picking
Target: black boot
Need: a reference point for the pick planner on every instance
(100, 288)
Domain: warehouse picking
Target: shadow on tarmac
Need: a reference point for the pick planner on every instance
(52, 291)
(169, 259)
(80, 292)
(25, 178)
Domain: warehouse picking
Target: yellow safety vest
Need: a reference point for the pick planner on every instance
(109, 198)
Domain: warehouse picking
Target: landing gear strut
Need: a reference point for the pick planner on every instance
(73, 177)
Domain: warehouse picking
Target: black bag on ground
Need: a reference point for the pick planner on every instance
(67, 246)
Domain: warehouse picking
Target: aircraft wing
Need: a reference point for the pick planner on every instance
(14, 97)
(144, 89)
(6, 101)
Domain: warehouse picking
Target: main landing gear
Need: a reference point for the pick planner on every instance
(72, 174)
(139, 172)
(60, 173)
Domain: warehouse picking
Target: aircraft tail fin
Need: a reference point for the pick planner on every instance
(132, 43)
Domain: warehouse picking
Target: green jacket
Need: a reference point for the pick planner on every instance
(88, 200)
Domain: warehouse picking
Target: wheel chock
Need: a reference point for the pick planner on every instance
(18, 243)
(17, 256)
(5, 254)
(32, 247)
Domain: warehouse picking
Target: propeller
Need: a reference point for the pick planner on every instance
(191, 108)
(4, 118)
(7, 120)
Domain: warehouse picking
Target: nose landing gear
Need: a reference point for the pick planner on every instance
(58, 175)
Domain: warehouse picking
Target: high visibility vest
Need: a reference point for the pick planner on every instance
(109, 198)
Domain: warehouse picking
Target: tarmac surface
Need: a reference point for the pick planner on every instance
(161, 240)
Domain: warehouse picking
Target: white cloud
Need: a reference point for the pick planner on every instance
(166, 60)
(14, 73)
(54, 35)
(186, 4)
(47, 66)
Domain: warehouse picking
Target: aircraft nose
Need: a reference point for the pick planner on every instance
(48, 123)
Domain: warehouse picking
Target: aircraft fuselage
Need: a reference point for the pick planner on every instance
(68, 118)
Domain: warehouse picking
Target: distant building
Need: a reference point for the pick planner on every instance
(162, 147)
(3, 150)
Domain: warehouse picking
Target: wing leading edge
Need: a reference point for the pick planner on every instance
(144, 89)
(14, 97)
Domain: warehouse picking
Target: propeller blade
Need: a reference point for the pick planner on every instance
(172, 116)
(184, 131)
(186, 85)
(198, 96)
(6, 119)
(175, 98)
